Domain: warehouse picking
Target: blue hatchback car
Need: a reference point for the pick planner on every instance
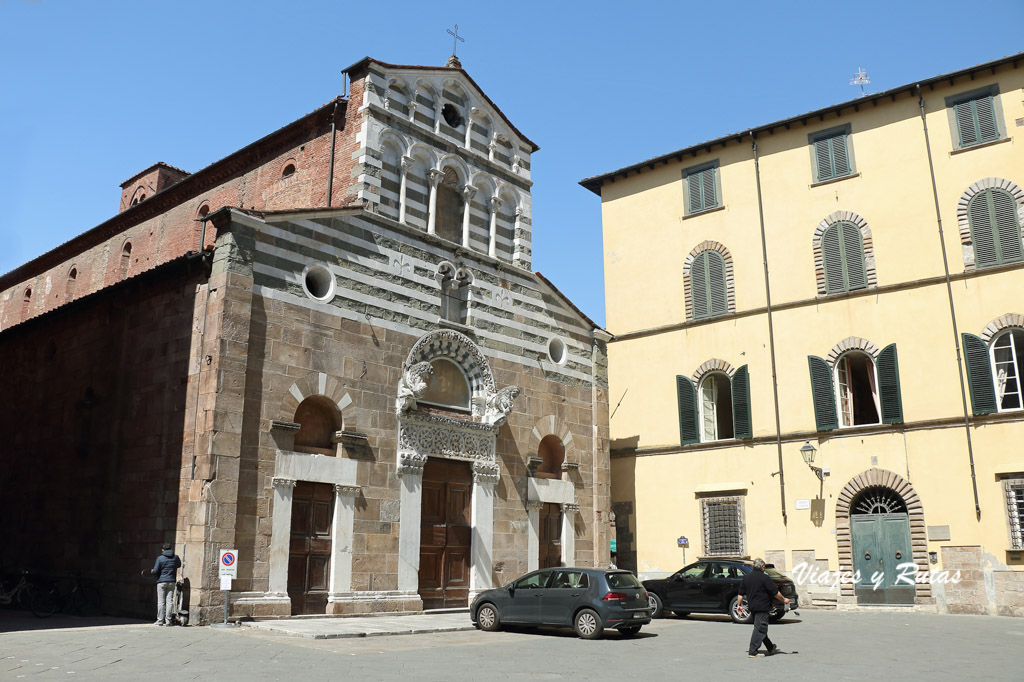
(585, 599)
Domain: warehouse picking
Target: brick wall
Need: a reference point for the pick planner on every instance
(92, 403)
(164, 227)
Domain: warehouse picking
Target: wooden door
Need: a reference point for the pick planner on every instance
(446, 533)
(550, 532)
(309, 558)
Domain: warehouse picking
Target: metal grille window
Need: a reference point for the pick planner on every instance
(723, 526)
(1014, 488)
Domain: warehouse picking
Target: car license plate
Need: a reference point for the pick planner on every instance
(639, 615)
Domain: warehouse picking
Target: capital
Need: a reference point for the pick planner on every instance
(570, 508)
(346, 490)
(468, 191)
(435, 177)
(407, 162)
(495, 203)
(284, 484)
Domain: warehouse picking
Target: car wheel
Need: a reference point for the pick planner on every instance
(740, 614)
(630, 631)
(487, 618)
(588, 624)
(654, 602)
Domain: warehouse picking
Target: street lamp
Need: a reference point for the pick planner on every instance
(807, 452)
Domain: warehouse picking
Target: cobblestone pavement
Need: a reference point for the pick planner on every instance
(817, 644)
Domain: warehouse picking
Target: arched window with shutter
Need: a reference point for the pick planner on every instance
(842, 248)
(995, 370)
(859, 389)
(714, 405)
(995, 228)
(708, 275)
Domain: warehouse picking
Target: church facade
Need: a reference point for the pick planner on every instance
(327, 351)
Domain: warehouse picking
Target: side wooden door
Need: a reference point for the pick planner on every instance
(309, 557)
(550, 536)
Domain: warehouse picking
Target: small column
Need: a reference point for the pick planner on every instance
(533, 541)
(569, 512)
(435, 178)
(341, 547)
(410, 473)
(492, 247)
(469, 126)
(467, 202)
(406, 165)
(485, 477)
(492, 147)
(280, 535)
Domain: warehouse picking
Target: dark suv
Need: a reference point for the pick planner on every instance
(586, 599)
(711, 586)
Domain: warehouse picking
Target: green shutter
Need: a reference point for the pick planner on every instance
(832, 255)
(824, 399)
(687, 396)
(693, 186)
(840, 157)
(823, 156)
(1006, 225)
(976, 121)
(718, 297)
(708, 182)
(979, 375)
(700, 187)
(985, 114)
(965, 123)
(741, 423)
(699, 286)
(979, 216)
(995, 228)
(853, 257)
(889, 395)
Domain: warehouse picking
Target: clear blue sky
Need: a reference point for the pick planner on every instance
(92, 92)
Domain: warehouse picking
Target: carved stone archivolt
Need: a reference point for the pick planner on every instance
(473, 438)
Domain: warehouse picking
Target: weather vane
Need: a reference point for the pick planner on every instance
(456, 38)
(860, 78)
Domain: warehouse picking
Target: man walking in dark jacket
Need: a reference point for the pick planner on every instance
(165, 569)
(759, 590)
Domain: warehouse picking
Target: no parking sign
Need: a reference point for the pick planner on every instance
(228, 564)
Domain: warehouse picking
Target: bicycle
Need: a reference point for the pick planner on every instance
(81, 601)
(41, 602)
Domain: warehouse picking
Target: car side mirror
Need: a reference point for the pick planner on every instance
(511, 591)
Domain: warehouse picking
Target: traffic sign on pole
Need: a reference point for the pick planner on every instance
(228, 564)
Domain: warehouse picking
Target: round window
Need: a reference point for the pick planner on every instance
(318, 282)
(451, 115)
(556, 351)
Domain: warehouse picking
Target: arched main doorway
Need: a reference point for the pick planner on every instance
(880, 530)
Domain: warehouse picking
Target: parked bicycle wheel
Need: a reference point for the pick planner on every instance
(43, 601)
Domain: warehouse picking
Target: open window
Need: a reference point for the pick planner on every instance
(716, 407)
(858, 391)
(449, 207)
(994, 371)
(719, 410)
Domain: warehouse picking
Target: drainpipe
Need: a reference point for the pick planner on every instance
(949, 292)
(771, 328)
(330, 169)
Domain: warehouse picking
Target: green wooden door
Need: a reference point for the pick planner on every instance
(881, 542)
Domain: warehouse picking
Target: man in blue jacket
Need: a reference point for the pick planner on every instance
(759, 590)
(165, 569)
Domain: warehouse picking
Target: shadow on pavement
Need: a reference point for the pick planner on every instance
(609, 633)
(13, 620)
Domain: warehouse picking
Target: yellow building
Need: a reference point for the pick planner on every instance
(844, 285)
